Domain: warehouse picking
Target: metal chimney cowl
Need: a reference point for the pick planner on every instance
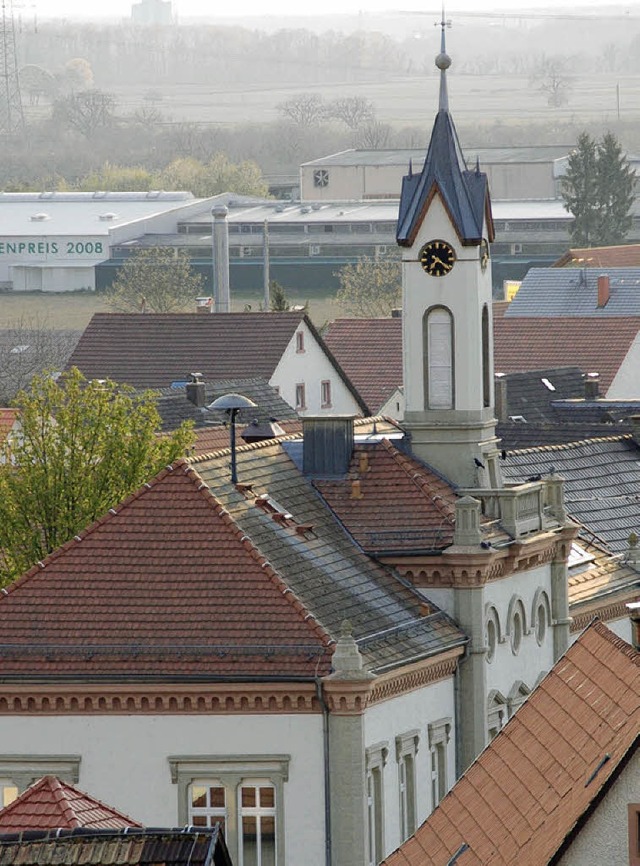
(327, 445)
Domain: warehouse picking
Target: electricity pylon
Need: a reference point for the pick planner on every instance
(11, 115)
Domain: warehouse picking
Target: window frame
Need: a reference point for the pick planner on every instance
(431, 400)
(300, 342)
(301, 396)
(376, 760)
(407, 745)
(232, 772)
(634, 833)
(439, 734)
(325, 386)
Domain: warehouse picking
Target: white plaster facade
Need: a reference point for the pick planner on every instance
(605, 837)
(626, 382)
(125, 762)
(305, 363)
(409, 714)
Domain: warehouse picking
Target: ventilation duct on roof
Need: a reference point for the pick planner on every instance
(327, 446)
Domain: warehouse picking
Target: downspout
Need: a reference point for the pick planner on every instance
(327, 772)
(458, 731)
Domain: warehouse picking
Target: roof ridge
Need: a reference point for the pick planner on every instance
(84, 533)
(614, 640)
(565, 446)
(63, 802)
(420, 481)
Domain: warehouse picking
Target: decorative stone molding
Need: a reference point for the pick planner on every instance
(439, 732)
(389, 686)
(24, 770)
(606, 613)
(347, 697)
(407, 743)
(145, 699)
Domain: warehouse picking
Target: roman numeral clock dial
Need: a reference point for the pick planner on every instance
(437, 258)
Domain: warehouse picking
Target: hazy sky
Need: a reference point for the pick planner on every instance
(184, 8)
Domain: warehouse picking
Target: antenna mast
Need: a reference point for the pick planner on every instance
(11, 115)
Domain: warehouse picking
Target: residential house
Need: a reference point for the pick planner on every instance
(621, 256)
(561, 783)
(160, 350)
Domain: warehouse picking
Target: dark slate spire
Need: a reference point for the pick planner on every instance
(465, 193)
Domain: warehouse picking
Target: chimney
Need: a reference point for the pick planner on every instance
(603, 290)
(221, 259)
(203, 305)
(327, 446)
(634, 613)
(500, 397)
(591, 386)
(196, 391)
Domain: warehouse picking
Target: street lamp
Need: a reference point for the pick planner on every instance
(232, 404)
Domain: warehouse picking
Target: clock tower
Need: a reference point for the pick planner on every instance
(444, 229)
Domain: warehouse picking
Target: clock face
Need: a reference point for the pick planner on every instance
(437, 258)
(484, 253)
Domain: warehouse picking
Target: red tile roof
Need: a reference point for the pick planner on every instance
(154, 350)
(594, 345)
(423, 510)
(370, 353)
(622, 256)
(521, 798)
(165, 584)
(8, 418)
(50, 804)
(210, 439)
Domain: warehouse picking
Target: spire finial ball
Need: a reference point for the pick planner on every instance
(443, 61)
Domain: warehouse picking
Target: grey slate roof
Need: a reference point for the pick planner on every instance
(324, 568)
(516, 435)
(601, 411)
(465, 193)
(174, 408)
(602, 483)
(532, 394)
(574, 292)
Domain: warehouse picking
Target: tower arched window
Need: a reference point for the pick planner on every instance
(439, 372)
(486, 372)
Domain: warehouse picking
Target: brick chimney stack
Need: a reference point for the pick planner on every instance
(604, 290)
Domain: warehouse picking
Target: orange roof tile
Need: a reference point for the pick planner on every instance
(621, 256)
(594, 345)
(423, 510)
(50, 804)
(165, 583)
(8, 418)
(521, 798)
(370, 353)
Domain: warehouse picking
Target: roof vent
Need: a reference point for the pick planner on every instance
(316, 205)
(39, 217)
(305, 209)
(109, 215)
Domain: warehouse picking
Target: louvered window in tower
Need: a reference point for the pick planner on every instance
(439, 359)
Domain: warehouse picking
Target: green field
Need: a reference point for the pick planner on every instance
(74, 309)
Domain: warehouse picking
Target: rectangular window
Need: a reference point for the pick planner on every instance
(439, 736)
(299, 341)
(376, 760)
(406, 748)
(325, 394)
(300, 397)
(244, 793)
(258, 819)
(634, 834)
(8, 792)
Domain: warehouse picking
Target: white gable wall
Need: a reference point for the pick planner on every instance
(310, 367)
(605, 837)
(125, 761)
(626, 382)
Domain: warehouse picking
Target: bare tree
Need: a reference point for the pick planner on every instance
(550, 76)
(86, 111)
(373, 135)
(353, 111)
(304, 109)
(27, 347)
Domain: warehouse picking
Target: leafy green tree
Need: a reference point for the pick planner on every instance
(217, 175)
(118, 178)
(598, 191)
(370, 288)
(155, 280)
(83, 447)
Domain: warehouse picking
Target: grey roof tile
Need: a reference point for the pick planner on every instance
(574, 292)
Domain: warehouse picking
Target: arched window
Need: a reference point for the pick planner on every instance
(486, 373)
(438, 342)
